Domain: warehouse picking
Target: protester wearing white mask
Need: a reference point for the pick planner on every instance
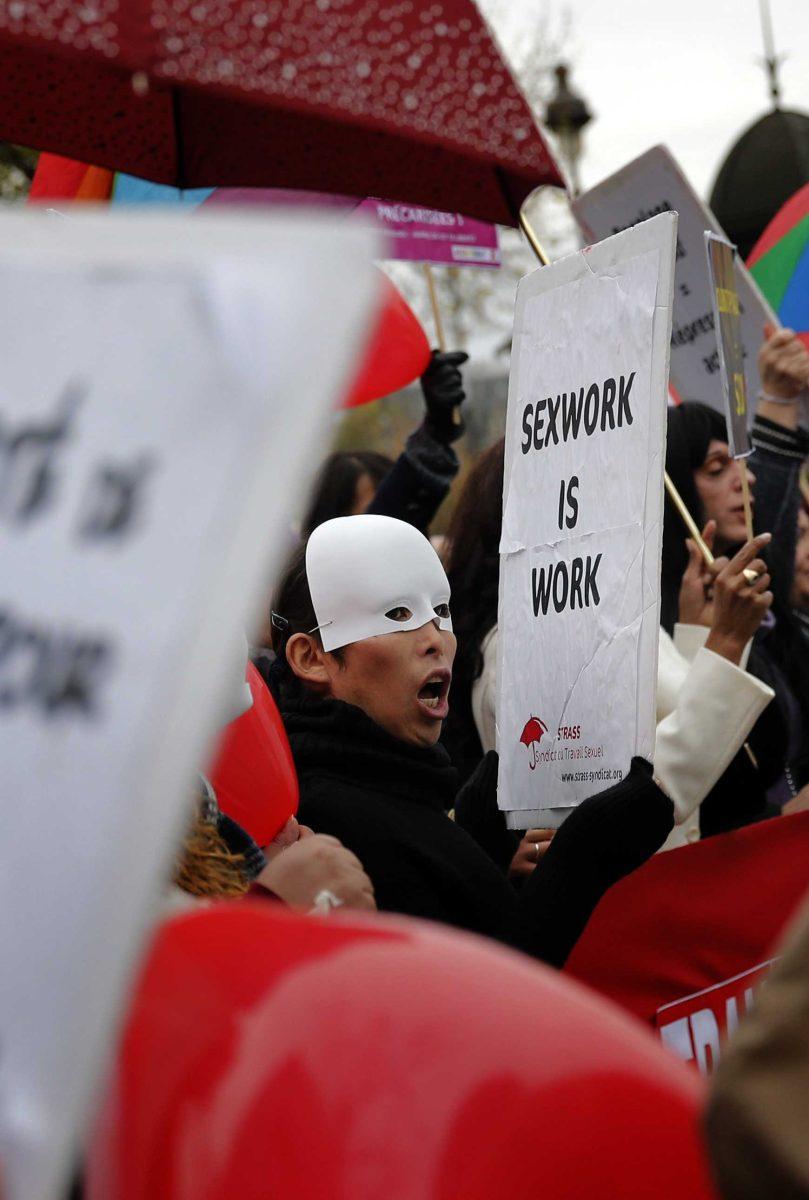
(365, 649)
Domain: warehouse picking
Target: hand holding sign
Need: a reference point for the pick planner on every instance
(783, 364)
(739, 605)
(579, 582)
(731, 597)
(442, 387)
(530, 851)
(695, 605)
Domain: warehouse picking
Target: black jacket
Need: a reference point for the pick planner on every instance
(387, 801)
(417, 483)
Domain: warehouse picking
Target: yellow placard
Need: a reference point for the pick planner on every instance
(740, 394)
(727, 301)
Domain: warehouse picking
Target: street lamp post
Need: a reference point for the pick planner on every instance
(566, 115)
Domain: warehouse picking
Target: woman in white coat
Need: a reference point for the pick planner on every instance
(707, 703)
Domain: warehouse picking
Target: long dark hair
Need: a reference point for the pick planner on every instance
(692, 426)
(335, 489)
(473, 570)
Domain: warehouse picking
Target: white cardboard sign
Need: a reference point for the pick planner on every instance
(654, 183)
(163, 385)
(582, 521)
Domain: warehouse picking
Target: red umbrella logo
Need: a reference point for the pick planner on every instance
(531, 736)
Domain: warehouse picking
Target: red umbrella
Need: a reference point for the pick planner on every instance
(366, 97)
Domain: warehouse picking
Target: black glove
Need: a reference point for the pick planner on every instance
(606, 837)
(476, 811)
(442, 386)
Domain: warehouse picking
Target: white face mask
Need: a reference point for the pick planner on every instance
(371, 575)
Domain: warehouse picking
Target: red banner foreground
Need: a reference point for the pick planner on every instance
(684, 942)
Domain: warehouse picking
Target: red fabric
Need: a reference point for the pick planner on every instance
(364, 97)
(253, 774)
(57, 178)
(796, 207)
(397, 353)
(273, 1055)
(695, 918)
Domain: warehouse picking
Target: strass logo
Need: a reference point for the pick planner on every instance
(531, 737)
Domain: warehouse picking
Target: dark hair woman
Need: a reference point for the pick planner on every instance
(346, 484)
(365, 648)
(412, 488)
(708, 479)
(473, 569)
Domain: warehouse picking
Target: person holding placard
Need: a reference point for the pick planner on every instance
(706, 708)
(698, 461)
(364, 644)
(413, 487)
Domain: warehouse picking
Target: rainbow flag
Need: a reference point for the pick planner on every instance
(779, 263)
(58, 178)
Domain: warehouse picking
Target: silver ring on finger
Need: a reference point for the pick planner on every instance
(750, 576)
(325, 901)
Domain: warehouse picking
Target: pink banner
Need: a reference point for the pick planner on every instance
(424, 235)
(414, 234)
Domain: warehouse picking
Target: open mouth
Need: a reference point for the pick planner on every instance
(432, 695)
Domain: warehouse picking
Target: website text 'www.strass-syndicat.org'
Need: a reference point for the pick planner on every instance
(601, 774)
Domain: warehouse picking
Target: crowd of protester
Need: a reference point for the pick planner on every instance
(382, 659)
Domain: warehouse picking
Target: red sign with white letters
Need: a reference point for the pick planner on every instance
(684, 942)
(695, 1026)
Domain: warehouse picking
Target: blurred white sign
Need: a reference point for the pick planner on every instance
(654, 183)
(164, 382)
(582, 521)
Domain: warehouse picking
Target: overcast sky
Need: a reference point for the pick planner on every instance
(683, 72)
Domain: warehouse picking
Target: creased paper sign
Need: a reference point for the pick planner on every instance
(654, 183)
(728, 323)
(163, 385)
(582, 520)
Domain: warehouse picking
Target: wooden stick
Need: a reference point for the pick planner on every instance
(748, 510)
(533, 240)
(438, 322)
(688, 520)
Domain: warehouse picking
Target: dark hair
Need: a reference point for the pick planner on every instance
(335, 489)
(473, 570)
(692, 427)
(292, 612)
(292, 608)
